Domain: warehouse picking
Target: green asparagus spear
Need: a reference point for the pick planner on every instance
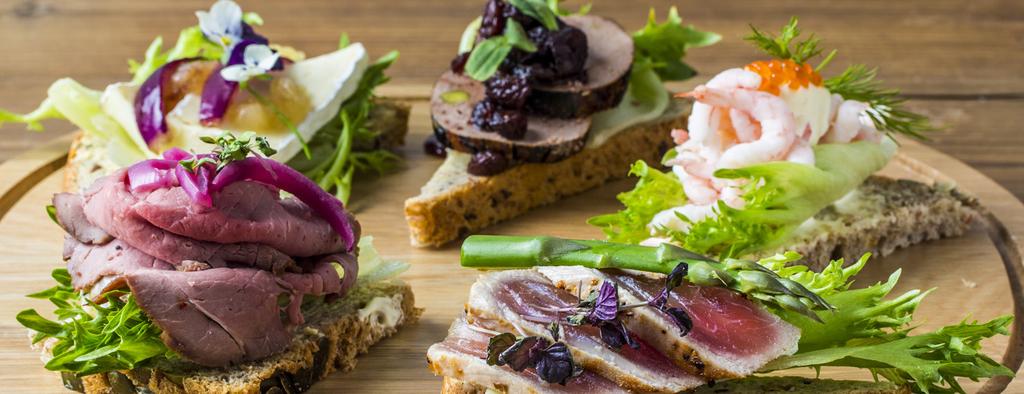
(748, 278)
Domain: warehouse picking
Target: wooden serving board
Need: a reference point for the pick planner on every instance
(968, 272)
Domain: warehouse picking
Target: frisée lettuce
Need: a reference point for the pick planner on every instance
(779, 197)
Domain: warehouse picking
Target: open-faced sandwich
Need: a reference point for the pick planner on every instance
(775, 154)
(318, 113)
(541, 104)
(190, 273)
(599, 317)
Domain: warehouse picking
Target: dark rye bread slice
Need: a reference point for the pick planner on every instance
(546, 139)
(884, 214)
(752, 385)
(455, 204)
(389, 117)
(609, 60)
(330, 341)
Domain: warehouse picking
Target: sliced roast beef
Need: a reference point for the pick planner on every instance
(609, 61)
(71, 216)
(90, 264)
(244, 212)
(526, 300)
(731, 336)
(546, 139)
(462, 355)
(224, 316)
(109, 205)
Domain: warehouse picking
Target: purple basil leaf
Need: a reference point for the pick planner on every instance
(614, 334)
(524, 353)
(681, 318)
(555, 364)
(675, 278)
(149, 101)
(659, 300)
(498, 344)
(217, 93)
(606, 306)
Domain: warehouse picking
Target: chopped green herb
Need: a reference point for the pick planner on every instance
(539, 10)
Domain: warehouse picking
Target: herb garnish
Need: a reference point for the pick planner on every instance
(488, 55)
(229, 148)
(662, 46)
(552, 360)
(857, 82)
(92, 337)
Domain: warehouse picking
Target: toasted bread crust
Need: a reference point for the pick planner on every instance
(319, 348)
(890, 214)
(479, 202)
(390, 117)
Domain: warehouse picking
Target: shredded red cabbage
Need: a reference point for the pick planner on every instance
(279, 175)
(150, 106)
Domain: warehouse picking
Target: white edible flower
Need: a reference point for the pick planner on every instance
(258, 58)
(223, 23)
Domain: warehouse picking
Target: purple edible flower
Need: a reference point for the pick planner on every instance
(223, 25)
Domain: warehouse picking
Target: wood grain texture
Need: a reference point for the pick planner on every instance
(967, 272)
(960, 60)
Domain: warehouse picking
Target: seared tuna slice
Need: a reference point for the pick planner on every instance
(731, 336)
(462, 355)
(109, 205)
(71, 216)
(243, 212)
(525, 300)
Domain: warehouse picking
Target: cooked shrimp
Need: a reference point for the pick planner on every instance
(698, 190)
(746, 129)
(670, 219)
(847, 122)
(801, 152)
(770, 111)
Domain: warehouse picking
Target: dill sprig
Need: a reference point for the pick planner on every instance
(857, 82)
(779, 46)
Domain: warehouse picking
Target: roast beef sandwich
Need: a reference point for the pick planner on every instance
(775, 155)
(191, 273)
(319, 113)
(576, 316)
(541, 104)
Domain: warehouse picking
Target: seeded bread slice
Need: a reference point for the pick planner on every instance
(86, 160)
(882, 215)
(334, 334)
(766, 385)
(455, 203)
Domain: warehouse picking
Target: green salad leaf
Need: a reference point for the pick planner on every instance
(779, 196)
(654, 192)
(89, 337)
(928, 363)
(663, 45)
(372, 267)
(333, 163)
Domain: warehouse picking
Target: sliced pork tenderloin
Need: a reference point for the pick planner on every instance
(462, 355)
(524, 302)
(731, 336)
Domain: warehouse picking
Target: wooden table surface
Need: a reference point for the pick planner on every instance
(961, 62)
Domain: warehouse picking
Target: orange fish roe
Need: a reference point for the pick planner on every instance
(777, 73)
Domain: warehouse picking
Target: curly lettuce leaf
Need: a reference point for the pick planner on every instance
(654, 192)
(927, 363)
(91, 338)
(663, 45)
(780, 196)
